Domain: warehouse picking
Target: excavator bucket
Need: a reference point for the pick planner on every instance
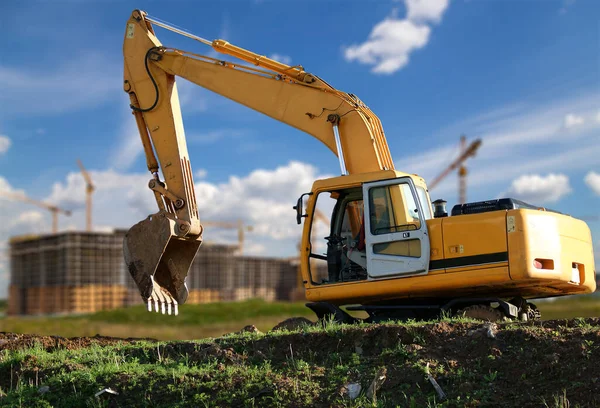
(159, 260)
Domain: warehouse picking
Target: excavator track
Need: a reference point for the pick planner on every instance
(532, 312)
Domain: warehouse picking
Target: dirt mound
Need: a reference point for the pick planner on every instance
(531, 364)
(13, 341)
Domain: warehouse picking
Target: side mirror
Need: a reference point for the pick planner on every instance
(299, 208)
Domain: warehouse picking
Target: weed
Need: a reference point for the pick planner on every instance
(560, 401)
(491, 376)
(417, 336)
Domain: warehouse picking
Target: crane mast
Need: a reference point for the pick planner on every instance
(465, 153)
(89, 190)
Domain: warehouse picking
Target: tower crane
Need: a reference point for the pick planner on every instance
(462, 171)
(239, 225)
(89, 189)
(52, 208)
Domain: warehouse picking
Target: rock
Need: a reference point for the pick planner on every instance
(376, 384)
(491, 329)
(293, 323)
(250, 329)
(413, 347)
(465, 387)
(488, 330)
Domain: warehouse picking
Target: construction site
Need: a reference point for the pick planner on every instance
(362, 274)
(75, 272)
(84, 272)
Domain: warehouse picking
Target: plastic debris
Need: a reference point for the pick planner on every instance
(107, 390)
(433, 382)
(353, 390)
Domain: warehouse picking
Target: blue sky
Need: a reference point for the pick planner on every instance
(522, 75)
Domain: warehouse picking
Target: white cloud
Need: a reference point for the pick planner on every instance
(426, 10)
(392, 40)
(389, 45)
(4, 144)
(131, 188)
(31, 218)
(200, 173)
(284, 59)
(263, 199)
(537, 189)
(5, 185)
(572, 120)
(592, 179)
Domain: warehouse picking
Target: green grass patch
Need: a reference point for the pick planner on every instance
(314, 366)
(202, 314)
(569, 307)
(193, 321)
(216, 319)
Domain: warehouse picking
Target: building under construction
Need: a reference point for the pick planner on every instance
(83, 272)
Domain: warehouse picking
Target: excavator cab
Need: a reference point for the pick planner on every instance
(378, 229)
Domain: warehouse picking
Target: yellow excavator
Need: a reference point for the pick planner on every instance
(390, 252)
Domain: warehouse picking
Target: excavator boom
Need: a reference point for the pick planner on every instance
(288, 94)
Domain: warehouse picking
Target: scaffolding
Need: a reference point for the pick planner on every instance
(84, 272)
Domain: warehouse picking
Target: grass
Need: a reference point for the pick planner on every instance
(216, 319)
(193, 321)
(312, 367)
(570, 306)
(205, 314)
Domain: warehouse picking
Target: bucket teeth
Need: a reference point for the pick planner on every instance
(162, 300)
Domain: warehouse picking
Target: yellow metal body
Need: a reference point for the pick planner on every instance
(478, 255)
(488, 254)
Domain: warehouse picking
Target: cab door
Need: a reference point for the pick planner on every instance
(396, 238)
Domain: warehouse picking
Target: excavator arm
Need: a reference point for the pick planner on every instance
(160, 249)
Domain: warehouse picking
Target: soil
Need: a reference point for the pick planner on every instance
(533, 364)
(14, 341)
